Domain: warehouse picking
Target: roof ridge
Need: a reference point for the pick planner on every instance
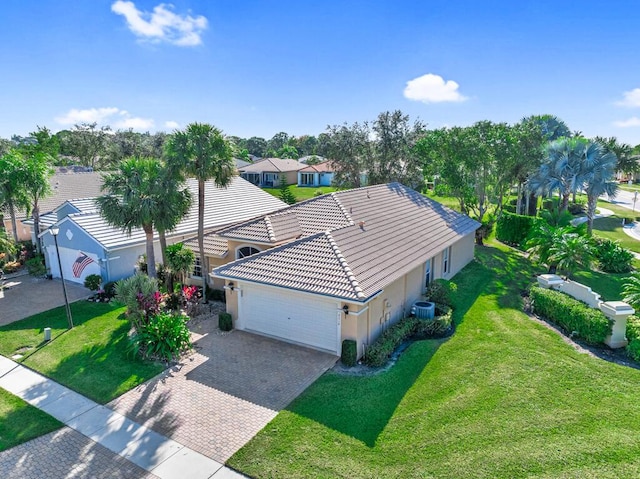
(345, 266)
(270, 232)
(342, 208)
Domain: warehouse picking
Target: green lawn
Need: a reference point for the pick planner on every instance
(504, 397)
(20, 422)
(302, 192)
(91, 359)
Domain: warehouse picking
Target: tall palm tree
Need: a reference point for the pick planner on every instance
(136, 198)
(598, 174)
(174, 205)
(37, 172)
(202, 151)
(13, 194)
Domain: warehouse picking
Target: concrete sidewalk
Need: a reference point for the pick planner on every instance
(153, 452)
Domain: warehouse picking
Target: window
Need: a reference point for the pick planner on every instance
(197, 268)
(251, 177)
(306, 179)
(446, 260)
(246, 251)
(428, 272)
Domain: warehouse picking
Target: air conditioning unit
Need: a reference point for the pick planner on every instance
(423, 310)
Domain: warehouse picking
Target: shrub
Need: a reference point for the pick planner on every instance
(573, 316)
(378, 353)
(633, 349)
(110, 289)
(442, 189)
(349, 356)
(611, 257)
(139, 294)
(93, 282)
(225, 323)
(11, 266)
(318, 193)
(576, 208)
(216, 294)
(36, 267)
(509, 208)
(165, 336)
(440, 291)
(439, 324)
(633, 328)
(513, 229)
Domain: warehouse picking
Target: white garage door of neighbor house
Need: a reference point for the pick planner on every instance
(76, 264)
(301, 319)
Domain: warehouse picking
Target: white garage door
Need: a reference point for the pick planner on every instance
(293, 317)
(76, 264)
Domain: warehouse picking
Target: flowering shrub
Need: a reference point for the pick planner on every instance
(165, 336)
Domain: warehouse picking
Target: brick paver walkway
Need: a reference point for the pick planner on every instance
(64, 454)
(226, 392)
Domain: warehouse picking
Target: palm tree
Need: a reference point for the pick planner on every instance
(598, 172)
(136, 198)
(13, 194)
(174, 205)
(570, 252)
(631, 290)
(38, 170)
(541, 240)
(202, 151)
(180, 261)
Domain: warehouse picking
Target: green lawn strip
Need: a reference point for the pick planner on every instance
(611, 228)
(619, 211)
(302, 192)
(20, 422)
(92, 358)
(630, 187)
(504, 397)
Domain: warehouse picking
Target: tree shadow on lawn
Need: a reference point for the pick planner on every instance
(362, 406)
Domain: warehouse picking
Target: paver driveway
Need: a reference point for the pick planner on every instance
(222, 395)
(25, 296)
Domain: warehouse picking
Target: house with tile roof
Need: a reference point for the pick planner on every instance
(85, 237)
(346, 265)
(320, 174)
(267, 172)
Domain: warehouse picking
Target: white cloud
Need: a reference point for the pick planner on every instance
(162, 25)
(631, 122)
(631, 98)
(171, 124)
(432, 88)
(91, 115)
(115, 117)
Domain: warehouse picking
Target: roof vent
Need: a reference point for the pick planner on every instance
(361, 224)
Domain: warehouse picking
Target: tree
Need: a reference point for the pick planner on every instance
(257, 146)
(598, 175)
(288, 151)
(307, 145)
(87, 142)
(136, 197)
(179, 262)
(394, 156)
(37, 171)
(278, 141)
(202, 151)
(285, 192)
(350, 150)
(570, 252)
(627, 160)
(13, 194)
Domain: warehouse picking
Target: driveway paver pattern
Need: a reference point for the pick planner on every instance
(226, 392)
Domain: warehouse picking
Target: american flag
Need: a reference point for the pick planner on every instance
(81, 262)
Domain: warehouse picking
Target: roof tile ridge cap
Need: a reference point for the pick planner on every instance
(342, 208)
(270, 232)
(345, 266)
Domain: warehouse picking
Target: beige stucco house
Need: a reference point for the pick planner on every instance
(269, 171)
(340, 266)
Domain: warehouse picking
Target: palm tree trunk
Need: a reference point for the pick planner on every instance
(151, 257)
(163, 245)
(14, 226)
(203, 260)
(591, 212)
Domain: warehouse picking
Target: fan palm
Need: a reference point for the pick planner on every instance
(202, 151)
(598, 167)
(631, 290)
(571, 252)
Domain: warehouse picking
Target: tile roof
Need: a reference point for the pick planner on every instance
(380, 233)
(213, 245)
(270, 165)
(240, 201)
(324, 167)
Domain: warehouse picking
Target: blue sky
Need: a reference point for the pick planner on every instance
(254, 68)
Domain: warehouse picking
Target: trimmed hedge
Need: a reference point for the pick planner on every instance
(513, 229)
(440, 291)
(575, 317)
(349, 355)
(378, 353)
(633, 349)
(225, 323)
(633, 327)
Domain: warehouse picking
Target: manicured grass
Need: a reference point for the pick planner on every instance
(20, 422)
(630, 187)
(449, 201)
(92, 358)
(504, 397)
(302, 192)
(611, 227)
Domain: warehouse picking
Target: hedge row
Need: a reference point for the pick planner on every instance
(633, 335)
(573, 316)
(378, 353)
(513, 229)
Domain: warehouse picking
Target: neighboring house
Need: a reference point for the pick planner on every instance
(88, 245)
(66, 184)
(241, 163)
(267, 172)
(316, 175)
(340, 266)
(313, 158)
